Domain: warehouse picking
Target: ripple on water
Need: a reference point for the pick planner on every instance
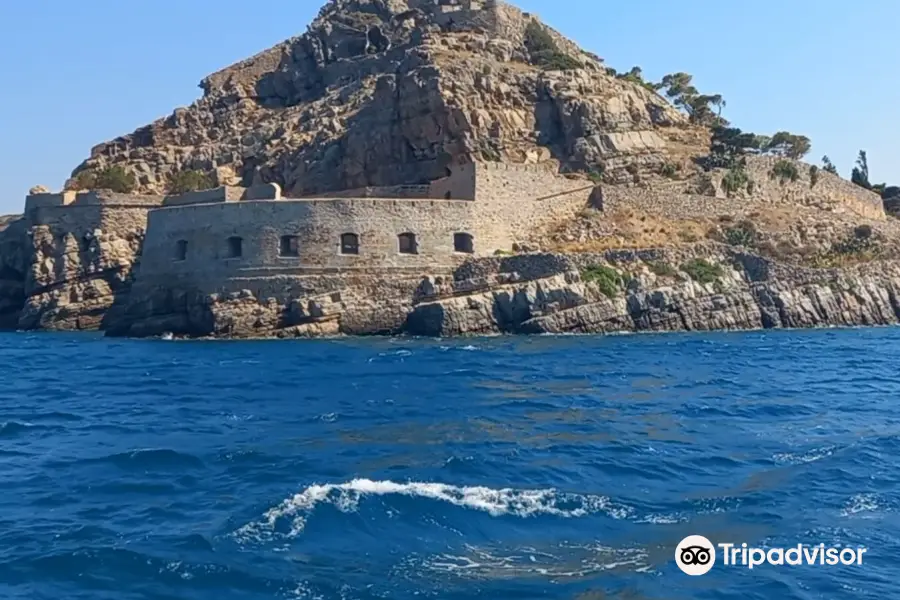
(548, 467)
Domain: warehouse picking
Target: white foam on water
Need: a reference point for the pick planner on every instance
(861, 503)
(805, 458)
(564, 562)
(495, 502)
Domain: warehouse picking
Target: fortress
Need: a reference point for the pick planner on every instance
(378, 163)
(231, 239)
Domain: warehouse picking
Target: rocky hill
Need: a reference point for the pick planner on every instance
(387, 92)
(692, 225)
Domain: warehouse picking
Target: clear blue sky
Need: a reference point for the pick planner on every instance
(78, 73)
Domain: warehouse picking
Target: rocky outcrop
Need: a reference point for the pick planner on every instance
(653, 290)
(380, 97)
(72, 283)
(14, 260)
(382, 93)
(750, 293)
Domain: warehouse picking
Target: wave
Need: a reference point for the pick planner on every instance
(149, 458)
(11, 428)
(810, 456)
(495, 502)
(559, 562)
(861, 503)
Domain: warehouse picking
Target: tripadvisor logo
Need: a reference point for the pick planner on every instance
(696, 555)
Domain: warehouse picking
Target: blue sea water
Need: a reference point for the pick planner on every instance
(545, 467)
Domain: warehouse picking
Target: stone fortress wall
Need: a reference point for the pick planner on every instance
(477, 210)
(233, 238)
(679, 200)
(83, 215)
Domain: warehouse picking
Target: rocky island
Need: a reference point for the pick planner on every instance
(447, 167)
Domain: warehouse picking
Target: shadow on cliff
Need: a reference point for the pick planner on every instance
(401, 134)
(13, 265)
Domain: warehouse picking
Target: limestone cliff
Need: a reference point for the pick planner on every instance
(14, 260)
(72, 282)
(389, 92)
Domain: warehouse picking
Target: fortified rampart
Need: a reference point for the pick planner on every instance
(827, 189)
(679, 200)
(209, 237)
(82, 213)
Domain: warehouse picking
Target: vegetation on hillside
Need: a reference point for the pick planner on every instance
(860, 176)
(702, 109)
(544, 52)
(784, 170)
(607, 279)
(742, 234)
(189, 181)
(636, 76)
(114, 178)
(703, 271)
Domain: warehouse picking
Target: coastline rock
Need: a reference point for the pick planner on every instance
(547, 295)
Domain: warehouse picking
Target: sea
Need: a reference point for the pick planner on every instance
(508, 467)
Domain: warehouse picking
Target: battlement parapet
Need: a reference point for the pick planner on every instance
(226, 193)
(71, 198)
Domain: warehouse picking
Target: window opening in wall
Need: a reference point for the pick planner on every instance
(290, 245)
(181, 250)
(463, 242)
(448, 196)
(349, 243)
(408, 243)
(235, 247)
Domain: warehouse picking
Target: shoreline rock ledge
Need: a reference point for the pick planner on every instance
(545, 293)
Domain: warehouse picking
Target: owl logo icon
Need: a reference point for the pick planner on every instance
(695, 555)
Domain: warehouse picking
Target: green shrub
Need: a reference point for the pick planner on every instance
(735, 180)
(596, 176)
(813, 175)
(662, 269)
(189, 181)
(859, 243)
(784, 171)
(742, 234)
(115, 179)
(607, 279)
(702, 271)
(543, 51)
(669, 170)
(862, 232)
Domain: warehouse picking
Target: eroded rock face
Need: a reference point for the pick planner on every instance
(381, 93)
(751, 294)
(14, 260)
(73, 283)
(542, 293)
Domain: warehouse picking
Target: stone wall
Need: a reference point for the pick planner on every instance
(679, 200)
(829, 191)
(90, 198)
(317, 225)
(226, 193)
(515, 201)
(458, 185)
